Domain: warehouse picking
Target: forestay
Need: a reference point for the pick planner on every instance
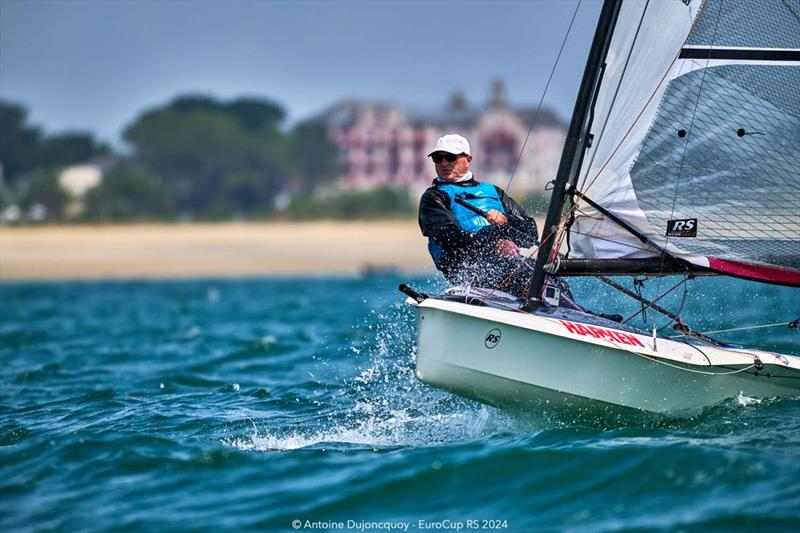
(697, 139)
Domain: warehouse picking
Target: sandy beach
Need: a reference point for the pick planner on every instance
(197, 250)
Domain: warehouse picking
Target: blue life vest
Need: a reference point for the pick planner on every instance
(483, 196)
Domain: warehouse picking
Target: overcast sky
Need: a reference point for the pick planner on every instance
(95, 65)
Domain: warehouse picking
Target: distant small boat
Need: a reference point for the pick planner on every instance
(370, 270)
(681, 158)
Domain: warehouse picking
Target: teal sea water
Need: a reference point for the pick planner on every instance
(291, 404)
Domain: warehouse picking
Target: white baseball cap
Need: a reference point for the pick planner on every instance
(451, 143)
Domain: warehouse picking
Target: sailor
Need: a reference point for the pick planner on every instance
(474, 229)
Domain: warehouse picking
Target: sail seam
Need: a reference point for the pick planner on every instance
(633, 124)
(680, 172)
(570, 215)
(621, 223)
(619, 85)
(658, 86)
(791, 10)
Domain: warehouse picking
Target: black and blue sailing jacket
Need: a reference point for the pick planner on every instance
(457, 235)
(483, 196)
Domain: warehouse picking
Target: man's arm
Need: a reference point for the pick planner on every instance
(526, 234)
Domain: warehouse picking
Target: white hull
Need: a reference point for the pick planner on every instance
(537, 360)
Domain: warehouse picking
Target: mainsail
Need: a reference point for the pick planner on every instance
(696, 139)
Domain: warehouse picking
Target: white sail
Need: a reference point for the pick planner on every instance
(698, 119)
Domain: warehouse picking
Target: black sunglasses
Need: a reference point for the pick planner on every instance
(438, 156)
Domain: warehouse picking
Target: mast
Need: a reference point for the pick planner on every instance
(577, 136)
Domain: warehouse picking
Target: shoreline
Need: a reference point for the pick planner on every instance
(196, 250)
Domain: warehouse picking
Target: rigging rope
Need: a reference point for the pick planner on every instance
(522, 262)
(680, 307)
(638, 284)
(612, 241)
(616, 92)
(693, 371)
(679, 173)
(538, 107)
(788, 324)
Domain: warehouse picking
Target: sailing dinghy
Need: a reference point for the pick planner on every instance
(682, 157)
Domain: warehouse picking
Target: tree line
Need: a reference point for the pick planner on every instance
(195, 158)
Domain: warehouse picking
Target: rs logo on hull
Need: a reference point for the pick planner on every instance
(492, 338)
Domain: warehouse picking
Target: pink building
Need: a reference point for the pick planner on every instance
(383, 144)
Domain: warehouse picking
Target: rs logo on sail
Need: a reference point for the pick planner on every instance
(682, 228)
(602, 333)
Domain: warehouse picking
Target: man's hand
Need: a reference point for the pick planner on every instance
(507, 248)
(496, 217)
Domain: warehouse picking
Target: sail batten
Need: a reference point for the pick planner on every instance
(740, 54)
(704, 135)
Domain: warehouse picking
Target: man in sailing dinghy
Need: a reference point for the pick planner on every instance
(474, 229)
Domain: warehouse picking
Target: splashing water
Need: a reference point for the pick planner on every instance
(384, 405)
(744, 401)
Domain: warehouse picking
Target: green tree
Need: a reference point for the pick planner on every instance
(315, 156)
(31, 162)
(44, 189)
(244, 191)
(24, 149)
(19, 143)
(69, 148)
(128, 193)
(216, 159)
(256, 115)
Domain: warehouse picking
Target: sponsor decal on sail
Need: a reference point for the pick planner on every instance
(682, 228)
(602, 333)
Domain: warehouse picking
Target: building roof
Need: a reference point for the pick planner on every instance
(346, 113)
(465, 118)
